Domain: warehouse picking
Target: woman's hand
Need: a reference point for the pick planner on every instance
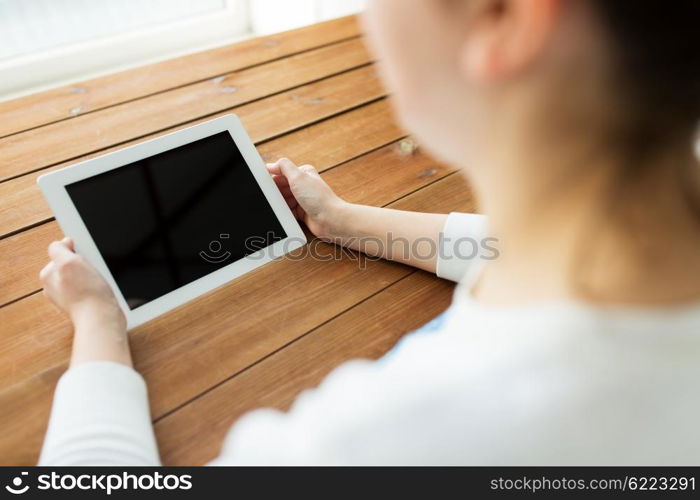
(309, 197)
(407, 237)
(80, 291)
(74, 285)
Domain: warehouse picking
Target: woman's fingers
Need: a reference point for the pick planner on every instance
(286, 191)
(310, 169)
(290, 199)
(301, 180)
(287, 170)
(46, 271)
(273, 168)
(298, 212)
(292, 203)
(69, 243)
(60, 252)
(276, 167)
(280, 181)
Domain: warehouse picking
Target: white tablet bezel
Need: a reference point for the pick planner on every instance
(53, 187)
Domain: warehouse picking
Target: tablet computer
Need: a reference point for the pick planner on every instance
(172, 218)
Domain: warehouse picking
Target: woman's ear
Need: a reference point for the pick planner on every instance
(505, 37)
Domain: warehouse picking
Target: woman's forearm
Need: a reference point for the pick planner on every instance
(408, 237)
(100, 335)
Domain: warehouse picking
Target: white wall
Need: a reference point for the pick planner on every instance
(48, 43)
(30, 26)
(271, 16)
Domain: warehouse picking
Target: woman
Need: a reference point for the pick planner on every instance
(579, 344)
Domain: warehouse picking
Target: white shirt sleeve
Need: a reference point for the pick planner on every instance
(460, 245)
(100, 416)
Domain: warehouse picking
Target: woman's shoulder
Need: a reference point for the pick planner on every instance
(567, 385)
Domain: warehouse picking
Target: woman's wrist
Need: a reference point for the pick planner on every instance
(99, 334)
(96, 312)
(338, 221)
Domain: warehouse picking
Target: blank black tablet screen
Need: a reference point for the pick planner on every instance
(165, 221)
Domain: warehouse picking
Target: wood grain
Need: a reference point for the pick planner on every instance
(331, 142)
(311, 95)
(65, 140)
(22, 256)
(194, 434)
(392, 169)
(386, 175)
(22, 205)
(67, 102)
(26, 251)
(25, 411)
(300, 287)
(448, 194)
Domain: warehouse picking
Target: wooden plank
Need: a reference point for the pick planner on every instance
(23, 254)
(193, 435)
(25, 408)
(22, 257)
(39, 148)
(333, 141)
(208, 340)
(304, 284)
(449, 194)
(21, 203)
(78, 99)
(400, 167)
(283, 113)
(384, 175)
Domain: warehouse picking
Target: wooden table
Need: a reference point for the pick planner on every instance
(312, 95)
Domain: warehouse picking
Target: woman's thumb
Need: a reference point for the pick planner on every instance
(309, 169)
(289, 170)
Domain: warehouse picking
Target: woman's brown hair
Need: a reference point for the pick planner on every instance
(656, 49)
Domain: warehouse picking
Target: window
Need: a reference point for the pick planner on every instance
(45, 43)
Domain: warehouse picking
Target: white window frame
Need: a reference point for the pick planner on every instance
(69, 63)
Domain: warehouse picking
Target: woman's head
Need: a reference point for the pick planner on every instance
(485, 81)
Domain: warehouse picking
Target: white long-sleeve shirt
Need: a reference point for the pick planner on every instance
(552, 384)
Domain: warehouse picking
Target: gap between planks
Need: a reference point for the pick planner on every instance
(59, 104)
(25, 251)
(21, 204)
(27, 403)
(358, 182)
(30, 398)
(153, 115)
(194, 434)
